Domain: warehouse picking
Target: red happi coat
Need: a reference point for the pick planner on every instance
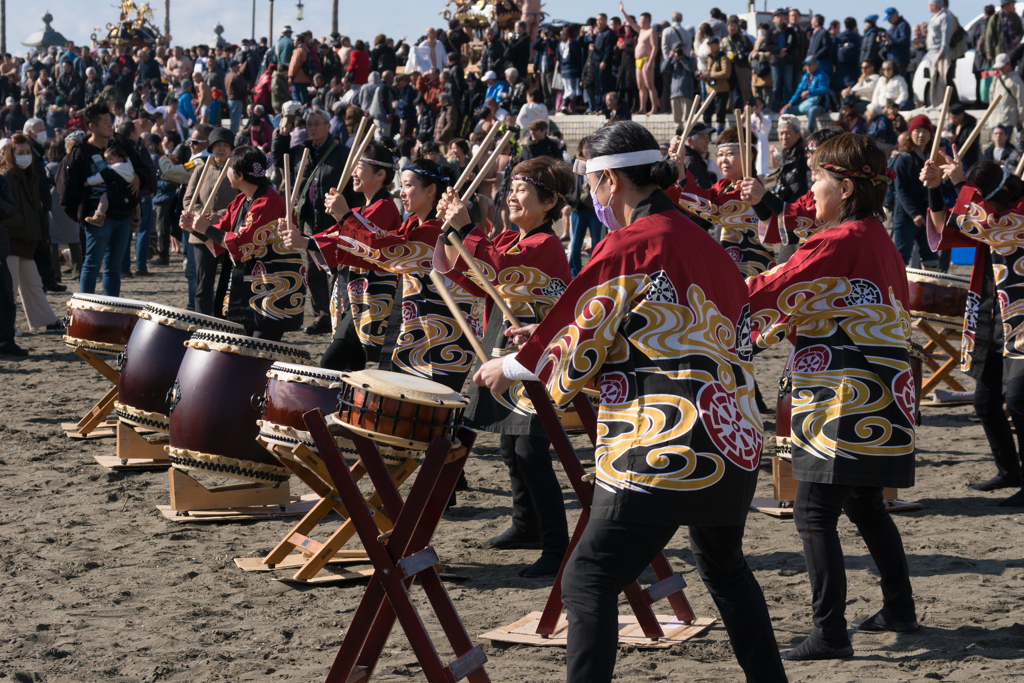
(722, 206)
(841, 300)
(426, 341)
(267, 286)
(361, 306)
(530, 273)
(659, 315)
(995, 303)
(796, 224)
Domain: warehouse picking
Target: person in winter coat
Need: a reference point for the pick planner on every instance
(891, 87)
(848, 44)
(447, 124)
(911, 196)
(1001, 151)
(570, 57)
(1007, 83)
(382, 106)
(811, 93)
(405, 105)
(1003, 31)
(898, 41)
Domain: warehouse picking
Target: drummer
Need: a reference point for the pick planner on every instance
(266, 293)
(659, 313)
(989, 213)
(427, 340)
(529, 269)
(221, 144)
(362, 307)
(727, 211)
(841, 299)
(786, 223)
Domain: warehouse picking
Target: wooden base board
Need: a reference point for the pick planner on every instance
(329, 576)
(524, 632)
(294, 561)
(296, 508)
(112, 462)
(104, 430)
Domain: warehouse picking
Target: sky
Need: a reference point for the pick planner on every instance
(192, 21)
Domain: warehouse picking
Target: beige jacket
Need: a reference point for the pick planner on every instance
(224, 195)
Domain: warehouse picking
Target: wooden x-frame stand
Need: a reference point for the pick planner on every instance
(399, 558)
(670, 584)
(99, 412)
(135, 452)
(312, 555)
(941, 336)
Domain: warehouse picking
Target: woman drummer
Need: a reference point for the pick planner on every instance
(659, 314)
(989, 213)
(786, 223)
(841, 300)
(361, 306)
(529, 269)
(427, 340)
(266, 293)
(723, 207)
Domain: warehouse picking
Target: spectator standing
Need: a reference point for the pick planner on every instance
(49, 270)
(937, 46)
(982, 64)
(8, 307)
(571, 57)
(429, 54)
(237, 89)
(583, 218)
(695, 155)
(63, 230)
(716, 20)
(803, 38)
(1001, 151)
(717, 79)
(1007, 83)
(26, 231)
(382, 106)
(517, 54)
(544, 56)
(911, 197)
(898, 40)
(359, 64)
(780, 44)
(603, 45)
(457, 38)
(872, 46)
(794, 177)
(284, 47)
(821, 46)
(675, 38)
(300, 72)
(70, 86)
(493, 56)
(681, 67)
(848, 44)
(145, 228)
(737, 48)
(1003, 31)
(760, 67)
(959, 128)
(761, 127)
(103, 243)
(446, 126)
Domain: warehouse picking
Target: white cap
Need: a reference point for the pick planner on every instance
(489, 75)
(291, 108)
(1002, 60)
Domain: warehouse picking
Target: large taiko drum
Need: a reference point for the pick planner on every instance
(938, 296)
(400, 411)
(151, 359)
(102, 324)
(292, 391)
(212, 413)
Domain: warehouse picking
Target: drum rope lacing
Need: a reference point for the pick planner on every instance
(288, 439)
(138, 419)
(233, 469)
(251, 343)
(345, 400)
(191, 320)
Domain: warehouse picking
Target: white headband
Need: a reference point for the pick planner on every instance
(625, 160)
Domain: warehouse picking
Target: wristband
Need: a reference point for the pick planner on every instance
(935, 202)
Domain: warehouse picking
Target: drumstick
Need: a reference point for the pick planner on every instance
(981, 124)
(1020, 168)
(493, 159)
(442, 289)
(294, 197)
(287, 192)
(355, 144)
(936, 143)
(216, 189)
(202, 177)
(739, 139)
(700, 112)
(358, 153)
(749, 155)
(688, 121)
(480, 153)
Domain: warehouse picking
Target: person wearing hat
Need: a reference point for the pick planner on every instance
(498, 90)
(1007, 83)
(695, 151)
(810, 94)
(237, 89)
(717, 77)
(221, 143)
(911, 210)
(284, 47)
(872, 46)
(897, 40)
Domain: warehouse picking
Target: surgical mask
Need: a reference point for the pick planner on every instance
(605, 214)
(23, 160)
(41, 137)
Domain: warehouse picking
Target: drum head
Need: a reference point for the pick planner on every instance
(941, 279)
(406, 388)
(100, 302)
(304, 374)
(188, 320)
(249, 346)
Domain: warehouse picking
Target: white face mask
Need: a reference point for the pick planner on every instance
(41, 136)
(23, 160)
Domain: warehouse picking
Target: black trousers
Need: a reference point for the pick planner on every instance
(719, 108)
(162, 222)
(44, 259)
(816, 512)
(318, 283)
(611, 555)
(207, 266)
(8, 305)
(988, 406)
(537, 506)
(343, 354)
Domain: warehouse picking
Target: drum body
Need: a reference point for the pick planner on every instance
(213, 425)
(399, 410)
(292, 391)
(102, 324)
(937, 295)
(151, 360)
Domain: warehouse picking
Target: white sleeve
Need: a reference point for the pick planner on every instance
(514, 370)
(94, 180)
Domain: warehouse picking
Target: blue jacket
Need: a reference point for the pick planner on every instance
(185, 107)
(570, 58)
(899, 47)
(848, 47)
(911, 197)
(815, 84)
(284, 49)
(881, 129)
(405, 105)
(499, 91)
(544, 55)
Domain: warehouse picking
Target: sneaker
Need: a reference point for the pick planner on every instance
(55, 287)
(12, 349)
(880, 622)
(142, 273)
(510, 540)
(320, 326)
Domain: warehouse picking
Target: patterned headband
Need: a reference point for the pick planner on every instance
(427, 174)
(865, 174)
(1006, 174)
(374, 162)
(257, 170)
(534, 181)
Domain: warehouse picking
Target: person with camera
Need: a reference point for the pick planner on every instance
(717, 78)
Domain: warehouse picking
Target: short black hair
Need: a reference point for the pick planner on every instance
(94, 111)
(382, 153)
(244, 158)
(956, 109)
(629, 136)
(433, 176)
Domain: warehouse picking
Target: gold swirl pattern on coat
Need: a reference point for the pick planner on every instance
(263, 238)
(277, 295)
(431, 333)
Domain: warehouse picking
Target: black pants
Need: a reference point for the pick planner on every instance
(611, 555)
(162, 222)
(816, 512)
(207, 266)
(719, 108)
(344, 355)
(270, 335)
(45, 264)
(318, 283)
(8, 306)
(988, 406)
(537, 506)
